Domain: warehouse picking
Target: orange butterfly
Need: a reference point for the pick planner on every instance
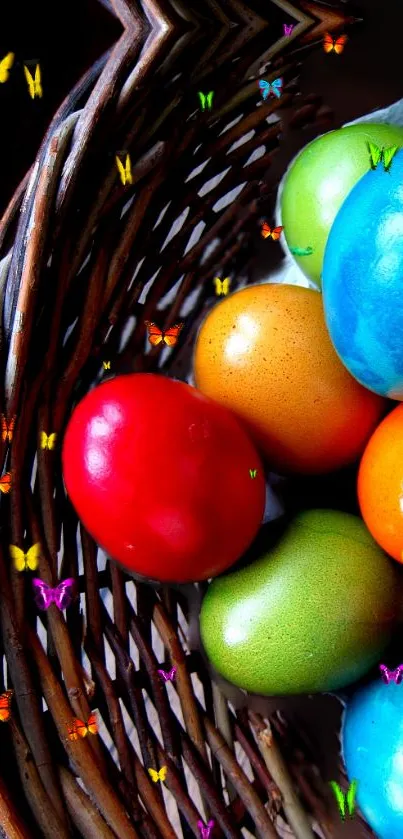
(5, 702)
(274, 232)
(80, 729)
(7, 430)
(334, 44)
(5, 482)
(156, 336)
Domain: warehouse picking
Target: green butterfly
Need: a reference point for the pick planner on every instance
(385, 155)
(206, 98)
(253, 473)
(302, 251)
(345, 798)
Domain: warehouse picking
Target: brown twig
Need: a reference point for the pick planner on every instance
(271, 754)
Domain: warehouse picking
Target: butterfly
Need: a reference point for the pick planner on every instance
(271, 87)
(157, 336)
(334, 44)
(222, 286)
(385, 155)
(167, 677)
(206, 99)
(25, 561)
(274, 232)
(5, 64)
(343, 799)
(48, 442)
(5, 702)
(62, 594)
(391, 675)
(81, 729)
(205, 830)
(253, 473)
(5, 483)
(125, 171)
(158, 776)
(7, 430)
(34, 83)
(107, 365)
(302, 251)
(288, 29)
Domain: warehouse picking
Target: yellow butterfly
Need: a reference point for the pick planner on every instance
(158, 776)
(5, 65)
(34, 83)
(222, 286)
(125, 171)
(107, 365)
(48, 442)
(28, 560)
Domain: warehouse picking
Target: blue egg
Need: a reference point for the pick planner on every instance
(363, 280)
(372, 743)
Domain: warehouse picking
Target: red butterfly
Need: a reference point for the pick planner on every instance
(274, 232)
(7, 430)
(5, 702)
(334, 44)
(81, 729)
(5, 482)
(157, 336)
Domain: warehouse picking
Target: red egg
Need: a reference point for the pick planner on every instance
(160, 476)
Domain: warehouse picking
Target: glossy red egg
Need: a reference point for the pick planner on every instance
(160, 475)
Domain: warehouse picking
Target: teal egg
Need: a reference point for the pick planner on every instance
(363, 280)
(372, 743)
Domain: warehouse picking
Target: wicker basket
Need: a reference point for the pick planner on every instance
(85, 261)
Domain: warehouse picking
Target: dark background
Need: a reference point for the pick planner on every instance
(66, 39)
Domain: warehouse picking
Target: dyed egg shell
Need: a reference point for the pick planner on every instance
(363, 280)
(318, 182)
(372, 743)
(380, 484)
(265, 353)
(160, 477)
(312, 614)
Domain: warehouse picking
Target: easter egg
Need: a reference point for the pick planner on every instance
(362, 280)
(265, 353)
(313, 614)
(372, 744)
(380, 484)
(160, 476)
(319, 180)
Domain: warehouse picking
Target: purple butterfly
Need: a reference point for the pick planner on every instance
(62, 595)
(167, 677)
(391, 675)
(205, 830)
(288, 29)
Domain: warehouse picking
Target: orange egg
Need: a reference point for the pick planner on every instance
(265, 352)
(380, 484)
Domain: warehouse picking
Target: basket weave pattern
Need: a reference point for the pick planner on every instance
(84, 261)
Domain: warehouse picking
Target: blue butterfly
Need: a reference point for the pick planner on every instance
(271, 87)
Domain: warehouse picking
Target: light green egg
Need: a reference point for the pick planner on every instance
(313, 614)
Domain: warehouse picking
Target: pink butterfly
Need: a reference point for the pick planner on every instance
(288, 29)
(391, 675)
(205, 830)
(62, 595)
(167, 677)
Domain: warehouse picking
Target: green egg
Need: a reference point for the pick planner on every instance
(313, 614)
(319, 180)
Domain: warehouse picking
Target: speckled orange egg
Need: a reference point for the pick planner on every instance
(265, 353)
(380, 484)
